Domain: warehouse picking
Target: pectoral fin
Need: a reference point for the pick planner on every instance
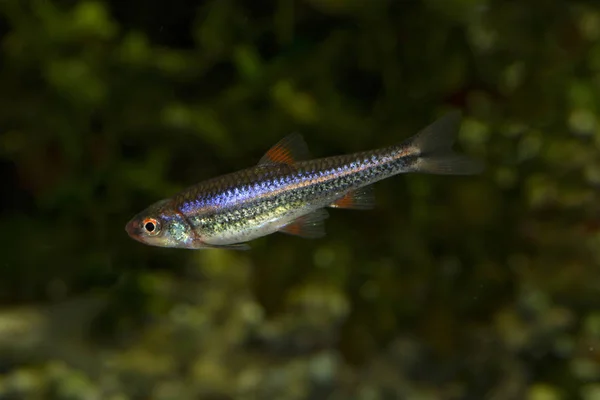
(235, 246)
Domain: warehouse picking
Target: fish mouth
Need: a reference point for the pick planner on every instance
(132, 230)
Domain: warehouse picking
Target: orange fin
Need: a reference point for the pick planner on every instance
(359, 199)
(288, 150)
(310, 226)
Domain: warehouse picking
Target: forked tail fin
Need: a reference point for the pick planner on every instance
(434, 146)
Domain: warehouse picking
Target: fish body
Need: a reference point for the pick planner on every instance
(288, 192)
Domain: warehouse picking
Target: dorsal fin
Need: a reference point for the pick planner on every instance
(288, 150)
(310, 226)
(359, 199)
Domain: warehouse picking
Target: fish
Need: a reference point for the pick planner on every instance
(289, 192)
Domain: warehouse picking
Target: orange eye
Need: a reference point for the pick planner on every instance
(151, 226)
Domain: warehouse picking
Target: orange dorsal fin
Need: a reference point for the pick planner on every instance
(309, 226)
(359, 199)
(288, 150)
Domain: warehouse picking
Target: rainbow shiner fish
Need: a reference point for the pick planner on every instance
(287, 192)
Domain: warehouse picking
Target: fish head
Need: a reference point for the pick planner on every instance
(161, 226)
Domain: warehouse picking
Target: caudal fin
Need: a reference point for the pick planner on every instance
(434, 145)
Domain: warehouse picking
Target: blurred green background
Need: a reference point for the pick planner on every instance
(484, 287)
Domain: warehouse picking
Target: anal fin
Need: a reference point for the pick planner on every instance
(359, 199)
(310, 226)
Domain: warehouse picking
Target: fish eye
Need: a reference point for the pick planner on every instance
(151, 226)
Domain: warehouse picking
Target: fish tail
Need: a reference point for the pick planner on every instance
(434, 149)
